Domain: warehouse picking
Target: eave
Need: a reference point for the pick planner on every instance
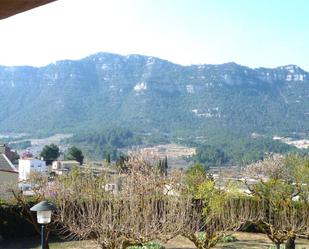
(12, 7)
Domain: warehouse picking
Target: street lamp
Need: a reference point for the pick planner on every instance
(44, 211)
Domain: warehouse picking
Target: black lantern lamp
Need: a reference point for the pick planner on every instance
(44, 211)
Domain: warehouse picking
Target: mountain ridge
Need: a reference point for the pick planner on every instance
(157, 58)
(146, 93)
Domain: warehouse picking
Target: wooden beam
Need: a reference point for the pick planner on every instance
(13, 7)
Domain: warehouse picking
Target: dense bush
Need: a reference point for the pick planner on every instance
(250, 227)
(12, 225)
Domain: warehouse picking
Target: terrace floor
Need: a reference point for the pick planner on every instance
(245, 241)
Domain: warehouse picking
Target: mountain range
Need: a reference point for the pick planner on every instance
(153, 96)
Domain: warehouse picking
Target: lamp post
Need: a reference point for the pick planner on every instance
(44, 211)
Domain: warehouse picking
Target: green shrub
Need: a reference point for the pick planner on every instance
(227, 239)
(224, 239)
(151, 245)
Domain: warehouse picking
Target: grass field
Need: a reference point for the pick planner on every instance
(245, 241)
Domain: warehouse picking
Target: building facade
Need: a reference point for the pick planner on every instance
(28, 165)
(63, 167)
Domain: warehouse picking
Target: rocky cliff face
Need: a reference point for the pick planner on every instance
(147, 93)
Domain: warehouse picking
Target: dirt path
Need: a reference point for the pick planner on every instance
(245, 241)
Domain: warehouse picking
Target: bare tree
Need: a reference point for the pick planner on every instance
(205, 229)
(278, 185)
(283, 221)
(147, 206)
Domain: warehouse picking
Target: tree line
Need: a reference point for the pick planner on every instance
(239, 151)
(105, 144)
(52, 152)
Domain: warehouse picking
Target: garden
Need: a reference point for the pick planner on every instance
(152, 208)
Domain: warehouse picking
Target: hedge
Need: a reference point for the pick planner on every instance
(12, 225)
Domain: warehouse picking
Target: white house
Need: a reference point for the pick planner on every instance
(62, 167)
(29, 165)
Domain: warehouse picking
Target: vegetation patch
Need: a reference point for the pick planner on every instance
(227, 239)
(151, 245)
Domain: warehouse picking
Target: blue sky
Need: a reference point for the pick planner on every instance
(255, 33)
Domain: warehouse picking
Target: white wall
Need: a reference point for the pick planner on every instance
(27, 166)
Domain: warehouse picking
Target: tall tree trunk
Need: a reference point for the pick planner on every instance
(278, 245)
(290, 243)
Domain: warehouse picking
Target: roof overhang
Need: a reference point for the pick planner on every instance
(8, 171)
(13, 7)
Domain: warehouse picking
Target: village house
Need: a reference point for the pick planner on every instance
(63, 167)
(28, 165)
